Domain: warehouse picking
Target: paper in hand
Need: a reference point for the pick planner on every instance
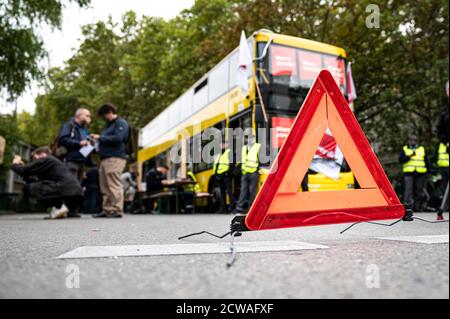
(86, 150)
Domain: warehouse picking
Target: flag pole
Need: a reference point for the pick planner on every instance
(263, 107)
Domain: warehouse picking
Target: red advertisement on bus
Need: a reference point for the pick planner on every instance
(310, 65)
(284, 61)
(281, 127)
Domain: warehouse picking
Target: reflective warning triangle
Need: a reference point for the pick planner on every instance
(279, 204)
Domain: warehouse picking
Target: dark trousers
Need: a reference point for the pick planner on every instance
(77, 169)
(73, 203)
(444, 173)
(92, 203)
(225, 182)
(249, 185)
(414, 184)
(149, 203)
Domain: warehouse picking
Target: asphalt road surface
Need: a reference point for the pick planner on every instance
(357, 264)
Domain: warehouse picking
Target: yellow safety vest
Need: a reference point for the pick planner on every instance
(442, 156)
(417, 162)
(250, 159)
(195, 188)
(222, 163)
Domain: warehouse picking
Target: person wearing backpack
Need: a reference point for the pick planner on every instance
(73, 135)
(112, 150)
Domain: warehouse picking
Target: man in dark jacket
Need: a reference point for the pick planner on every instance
(112, 142)
(54, 185)
(73, 135)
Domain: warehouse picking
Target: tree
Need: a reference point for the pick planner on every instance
(144, 64)
(9, 131)
(20, 47)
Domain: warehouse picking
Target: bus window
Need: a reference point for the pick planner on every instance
(310, 66)
(200, 143)
(283, 66)
(218, 81)
(337, 69)
(242, 122)
(290, 73)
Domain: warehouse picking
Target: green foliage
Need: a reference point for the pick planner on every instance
(143, 64)
(9, 131)
(20, 47)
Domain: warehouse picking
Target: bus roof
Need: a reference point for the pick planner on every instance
(175, 107)
(264, 35)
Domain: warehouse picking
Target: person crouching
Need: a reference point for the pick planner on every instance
(53, 184)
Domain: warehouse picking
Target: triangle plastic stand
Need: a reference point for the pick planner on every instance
(279, 204)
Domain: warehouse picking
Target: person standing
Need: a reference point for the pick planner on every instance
(111, 148)
(53, 185)
(443, 158)
(223, 175)
(250, 173)
(73, 135)
(413, 159)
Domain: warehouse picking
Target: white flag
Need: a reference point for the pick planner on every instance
(351, 85)
(244, 64)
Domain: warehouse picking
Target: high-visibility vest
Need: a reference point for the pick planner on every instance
(417, 162)
(195, 188)
(222, 163)
(442, 156)
(250, 158)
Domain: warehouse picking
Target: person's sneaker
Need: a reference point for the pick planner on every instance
(115, 215)
(100, 215)
(440, 217)
(73, 215)
(58, 213)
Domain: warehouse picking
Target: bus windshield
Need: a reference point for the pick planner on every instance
(290, 73)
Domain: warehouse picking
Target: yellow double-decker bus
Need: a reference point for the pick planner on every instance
(284, 69)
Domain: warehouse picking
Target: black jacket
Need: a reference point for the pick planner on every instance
(53, 179)
(113, 139)
(153, 181)
(442, 126)
(70, 136)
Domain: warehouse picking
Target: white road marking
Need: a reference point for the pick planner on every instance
(428, 239)
(186, 249)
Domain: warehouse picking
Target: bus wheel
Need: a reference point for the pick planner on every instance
(214, 202)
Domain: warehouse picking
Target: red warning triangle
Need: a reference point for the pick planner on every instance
(279, 204)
